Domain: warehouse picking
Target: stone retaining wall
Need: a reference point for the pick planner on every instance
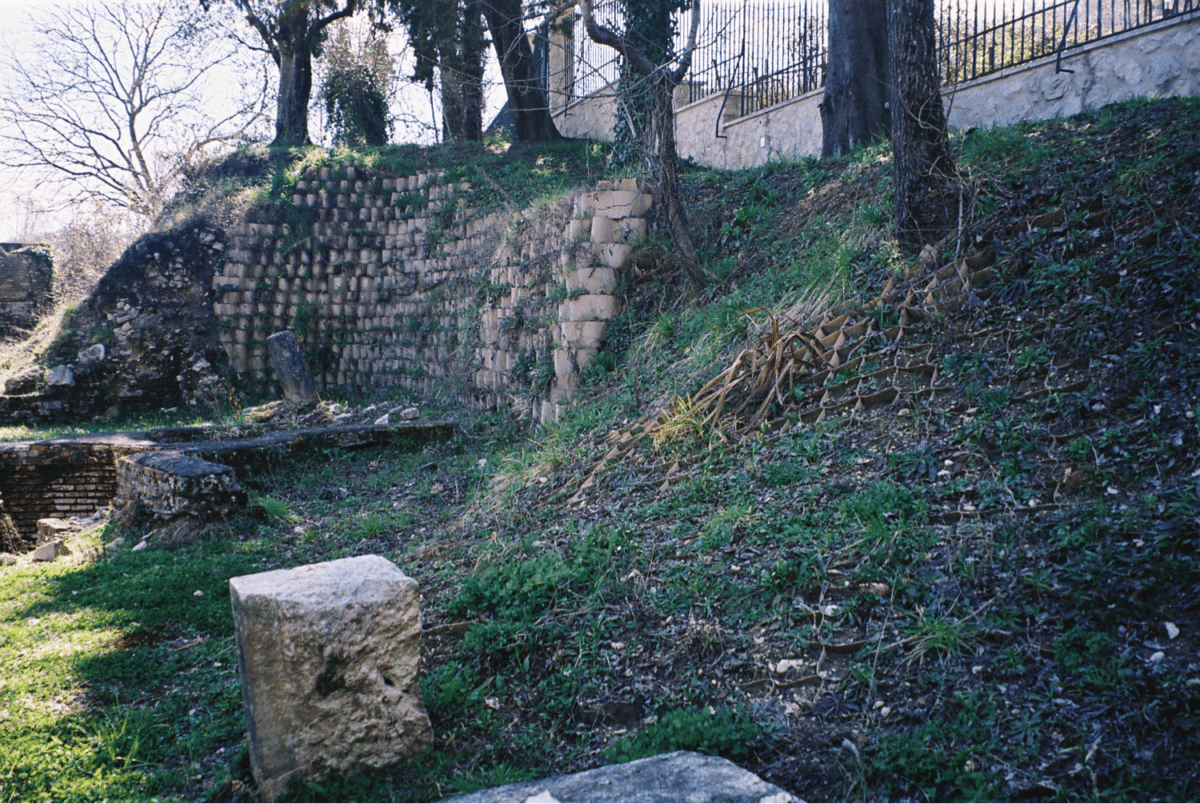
(724, 132)
(399, 282)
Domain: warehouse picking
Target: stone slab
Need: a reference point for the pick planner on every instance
(329, 658)
(681, 776)
(291, 370)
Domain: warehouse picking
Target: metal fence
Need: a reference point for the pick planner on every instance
(765, 51)
(762, 52)
(980, 38)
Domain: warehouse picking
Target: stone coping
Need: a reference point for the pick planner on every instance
(207, 440)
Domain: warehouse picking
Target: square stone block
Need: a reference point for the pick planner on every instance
(592, 280)
(329, 658)
(591, 307)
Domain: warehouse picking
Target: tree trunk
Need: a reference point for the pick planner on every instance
(295, 89)
(462, 79)
(661, 153)
(664, 161)
(926, 184)
(526, 98)
(854, 109)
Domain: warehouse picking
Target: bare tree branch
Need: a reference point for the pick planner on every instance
(113, 101)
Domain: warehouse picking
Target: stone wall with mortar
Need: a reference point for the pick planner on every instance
(25, 277)
(723, 138)
(717, 132)
(169, 485)
(145, 337)
(398, 281)
(1162, 60)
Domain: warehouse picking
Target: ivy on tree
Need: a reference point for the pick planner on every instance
(357, 106)
(659, 135)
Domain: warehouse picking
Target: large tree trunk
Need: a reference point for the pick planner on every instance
(664, 160)
(462, 79)
(526, 98)
(295, 90)
(854, 109)
(661, 153)
(926, 184)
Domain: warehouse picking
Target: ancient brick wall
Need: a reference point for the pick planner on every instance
(400, 282)
(25, 277)
(55, 479)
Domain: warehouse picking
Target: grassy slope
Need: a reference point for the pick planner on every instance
(803, 603)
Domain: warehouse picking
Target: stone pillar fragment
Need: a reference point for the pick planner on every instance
(291, 370)
(329, 658)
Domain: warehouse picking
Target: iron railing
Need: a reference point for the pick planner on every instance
(762, 52)
(976, 38)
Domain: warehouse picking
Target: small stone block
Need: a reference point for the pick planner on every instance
(614, 255)
(51, 528)
(591, 307)
(329, 658)
(603, 229)
(591, 280)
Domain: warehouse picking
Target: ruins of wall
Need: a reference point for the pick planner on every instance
(58, 478)
(170, 484)
(145, 337)
(25, 277)
(398, 281)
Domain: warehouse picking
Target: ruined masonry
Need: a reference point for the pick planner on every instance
(24, 287)
(172, 485)
(401, 282)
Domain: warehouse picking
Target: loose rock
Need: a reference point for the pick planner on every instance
(50, 551)
(24, 381)
(60, 376)
(679, 776)
(93, 354)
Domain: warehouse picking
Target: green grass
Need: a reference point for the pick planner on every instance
(120, 680)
